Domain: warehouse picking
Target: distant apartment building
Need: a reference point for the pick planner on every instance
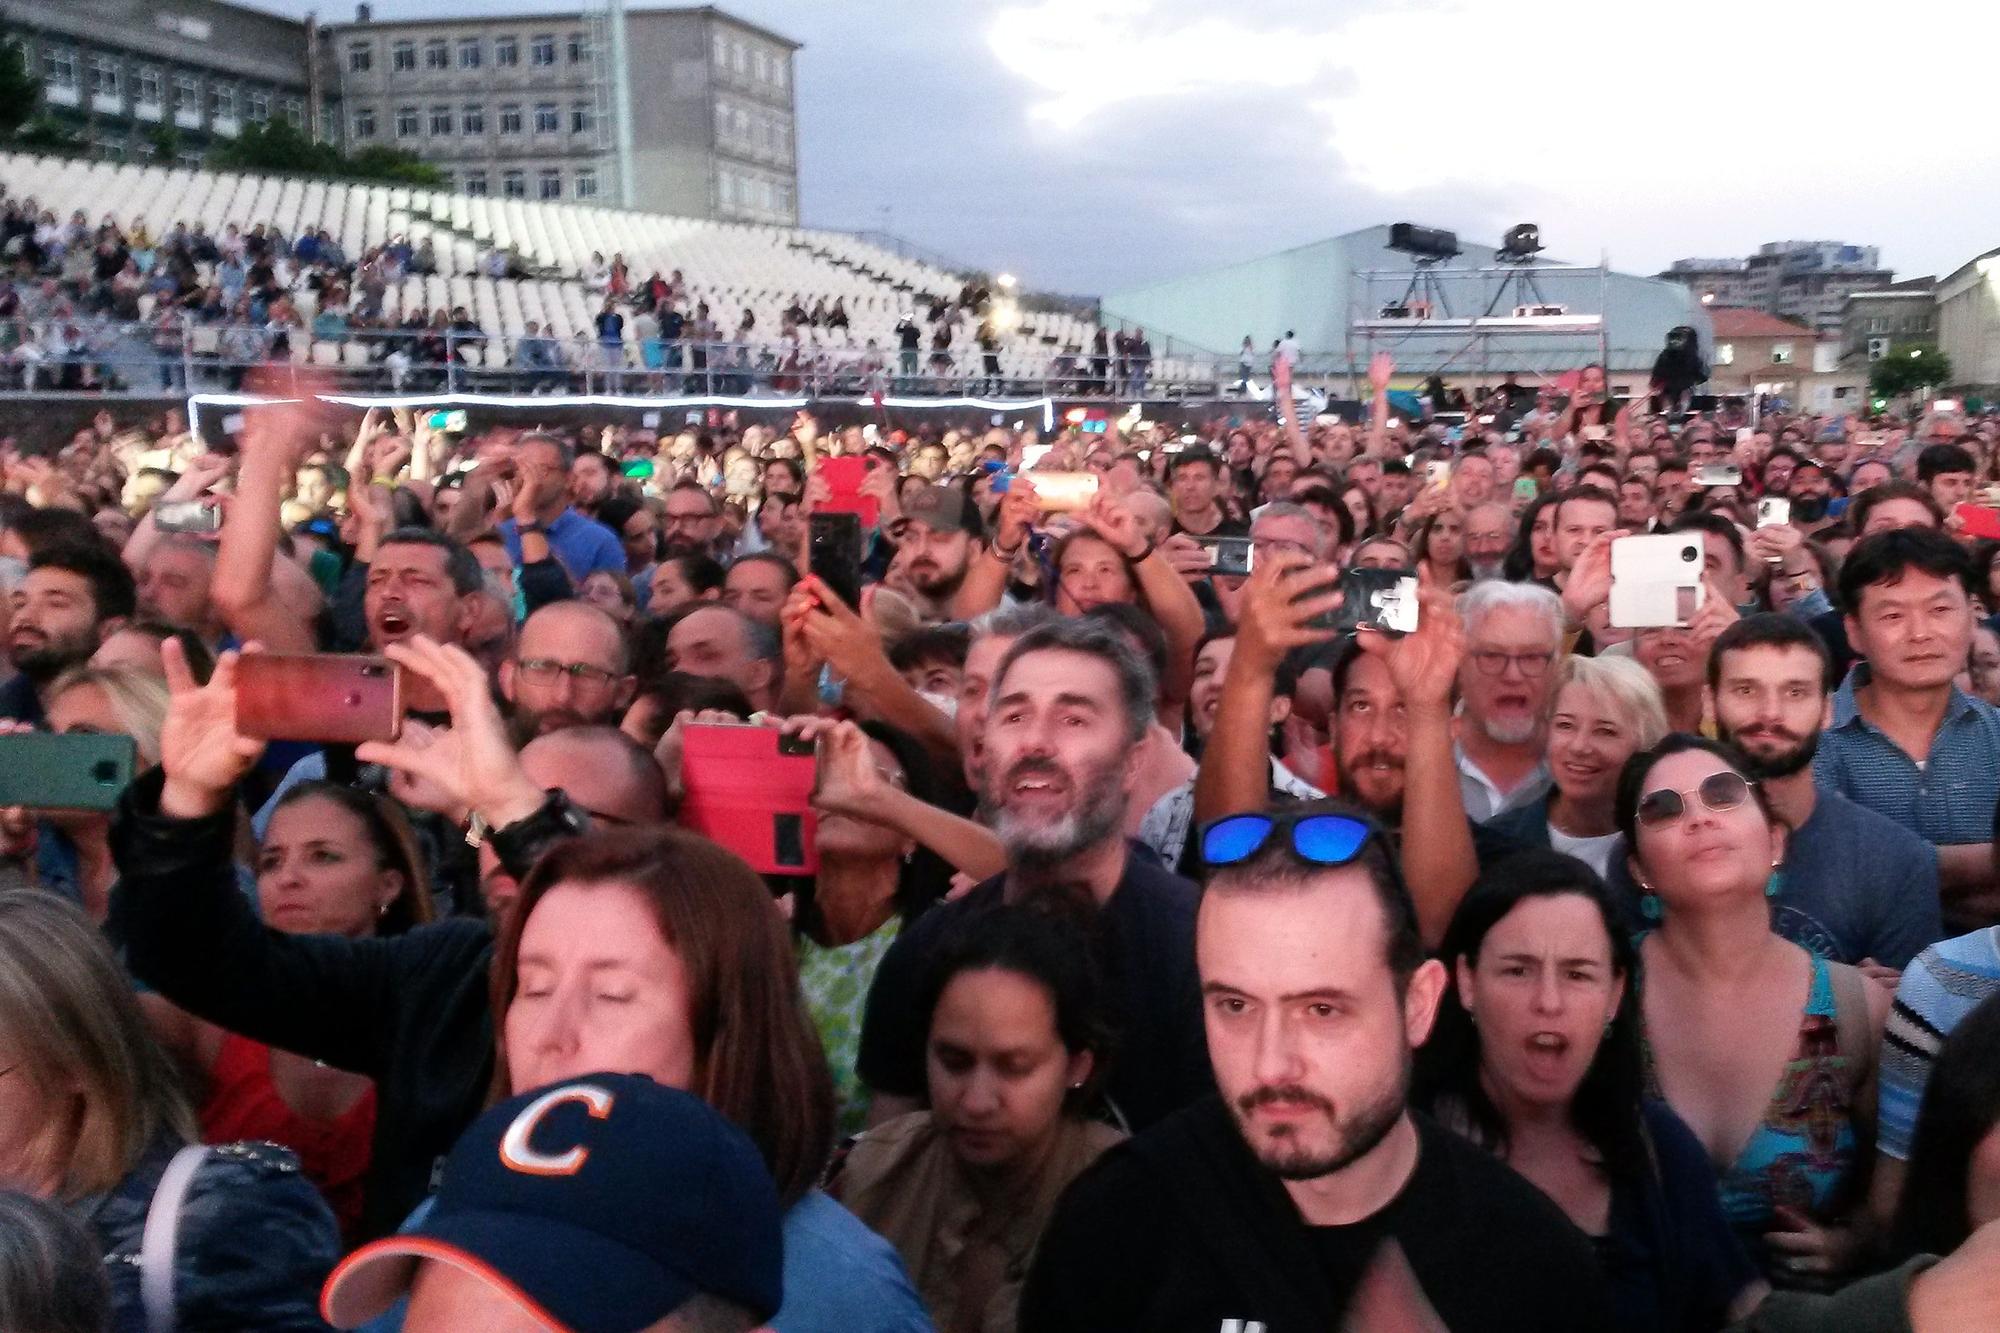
(131, 77)
(527, 106)
(1902, 312)
(1807, 282)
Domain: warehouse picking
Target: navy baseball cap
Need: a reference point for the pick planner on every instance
(602, 1204)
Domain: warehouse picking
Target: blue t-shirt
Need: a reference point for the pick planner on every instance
(1945, 983)
(1856, 884)
(582, 546)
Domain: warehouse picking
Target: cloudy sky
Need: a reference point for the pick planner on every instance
(1091, 145)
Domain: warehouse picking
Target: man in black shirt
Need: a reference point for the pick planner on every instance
(1308, 1197)
(1196, 479)
(1071, 701)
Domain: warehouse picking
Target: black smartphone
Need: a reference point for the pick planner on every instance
(833, 555)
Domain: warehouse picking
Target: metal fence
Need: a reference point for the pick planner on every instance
(184, 354)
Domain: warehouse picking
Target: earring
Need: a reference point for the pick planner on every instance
(383, 910)
(1775, 882)
(1650, 905)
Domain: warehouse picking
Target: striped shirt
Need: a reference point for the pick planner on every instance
(1945, 983)
(1948, 799)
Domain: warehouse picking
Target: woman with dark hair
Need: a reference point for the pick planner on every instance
(1532, 557)
(1361, 509)
(1439, 543)
(1536, 1056)
(1014, 1053)
(638, 529)
(1952, 1185)
(1764, 1050)
(680, 581)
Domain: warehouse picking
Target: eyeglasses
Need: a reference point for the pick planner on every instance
(1279, 546)
(1327, 840)
(1718, 792)
(1493, 662)
(545, 670)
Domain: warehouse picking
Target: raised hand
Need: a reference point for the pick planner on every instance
(202, 753)
(848, 782)
(1381, 369)
(1283, 595)
(1116, 524)
(1589, 584)
(1424, 664)
(1019, 509)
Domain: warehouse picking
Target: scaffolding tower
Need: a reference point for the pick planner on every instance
(1482, 319)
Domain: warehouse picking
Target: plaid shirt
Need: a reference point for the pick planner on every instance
(1948, 799)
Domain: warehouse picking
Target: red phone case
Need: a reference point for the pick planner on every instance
(743, 790)
(336, 698)
(843, 478)
(1980, 521)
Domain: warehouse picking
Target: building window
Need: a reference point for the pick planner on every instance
(739, 58)
(761, 64)
(778, 75)
(721, 121)
(222, 102)
(547, 119)
(579, 49)
(1725, 354)
(506, 51)
(721, 48)
(360, 57)
(549, 186)
(406, 122)
(472, 120)
(469, 53)
(403, 57)
(149, 85)
(59, 67)
(294, 111)
(104, 76)
(187, 93)
(582, 118)
(259, 106)
(436, 55)
(542, 51)
(364, 123)
(510, 118)
(586, 183)
(475, 183)
(514, 184)
(1781, 354)
(785, 199)
(440, 120)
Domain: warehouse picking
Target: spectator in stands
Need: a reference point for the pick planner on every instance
(538, 358)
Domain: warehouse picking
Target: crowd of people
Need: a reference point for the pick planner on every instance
(1181, 950)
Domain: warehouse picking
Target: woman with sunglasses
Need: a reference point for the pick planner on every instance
(1535, 1056)
(1764, 1050)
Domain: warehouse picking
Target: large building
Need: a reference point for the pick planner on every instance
(1902, 312)
(1323, 292)
(134, 78)
(1805, 281)
(529, 106)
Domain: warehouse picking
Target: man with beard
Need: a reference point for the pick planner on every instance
(939, 535)
(1489, 530)
(1855, 886)
(72, 597)
(571, 667)
(1071, 701)
(1308, 1195)
(1514, 635)
(693, 519)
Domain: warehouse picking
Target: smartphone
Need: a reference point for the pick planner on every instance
(188, 516)
(446, 421)
(1065, 492)
(335, 698)
(1595, 434)
(1979, 520)
(1031, 454)
(1384, 600)
(833, 554)
(1438, 474)
(844, 474)
(1656, 581)
(1230, 556)
(639, 468)
(1773, 511)
(750, 789)
(1718, 474)
(80, 770)
(1526, 488)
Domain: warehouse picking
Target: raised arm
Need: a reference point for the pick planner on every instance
(875, 689)
(247, 570)
(197, 480)
(986, 577)
(1381, 368)
(850, 784)
(1167, 595)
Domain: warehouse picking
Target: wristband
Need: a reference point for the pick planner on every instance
(525, 528)
(996, 549)
(1150, 547)
(389, 482)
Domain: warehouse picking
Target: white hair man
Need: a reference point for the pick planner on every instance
(1513, 637)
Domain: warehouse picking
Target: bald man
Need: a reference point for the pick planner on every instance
(722, 643)
(571, 667)
(1489, 530)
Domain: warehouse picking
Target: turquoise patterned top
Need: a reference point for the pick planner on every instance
(836, 981)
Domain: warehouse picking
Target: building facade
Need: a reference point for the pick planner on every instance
(142, 81)
(1807, 282)
(529, 107)
(1968, 324)
(1903, 312)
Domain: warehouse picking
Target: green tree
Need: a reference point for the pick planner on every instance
(279, 146)
(1908, 368)
(20, 90)
(46, 134)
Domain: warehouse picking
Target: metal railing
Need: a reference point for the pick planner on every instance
(184, 354)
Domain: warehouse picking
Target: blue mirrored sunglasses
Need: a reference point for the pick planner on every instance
(1328, 840)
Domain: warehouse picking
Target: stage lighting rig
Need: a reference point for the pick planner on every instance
(1521, 244)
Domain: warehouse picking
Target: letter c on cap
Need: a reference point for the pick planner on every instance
(518, 1154)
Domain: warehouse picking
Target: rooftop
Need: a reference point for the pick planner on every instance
(1731, 321)
(364, 18)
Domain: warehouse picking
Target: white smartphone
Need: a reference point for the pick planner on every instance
(1773, 511)
(1718, 474)
(1656, 581)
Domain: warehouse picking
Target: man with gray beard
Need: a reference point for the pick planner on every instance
(1070, 702)
(1513, 639)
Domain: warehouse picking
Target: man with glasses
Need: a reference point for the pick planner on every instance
(692, 520)
(1513, 634)
(1308, 1195)
(1489, 531)
(571, 668)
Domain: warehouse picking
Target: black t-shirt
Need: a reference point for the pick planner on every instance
(1181, 1230)
(1145, 944)
(1227, 527)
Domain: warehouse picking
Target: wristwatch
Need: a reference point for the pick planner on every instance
(531, 527)
(520, 843)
